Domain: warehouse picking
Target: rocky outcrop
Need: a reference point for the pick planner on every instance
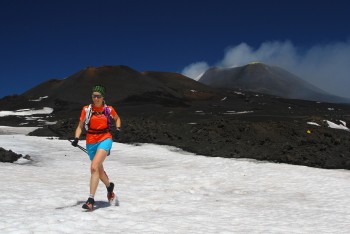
(9, 156)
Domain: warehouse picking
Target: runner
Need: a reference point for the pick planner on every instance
(97, 119)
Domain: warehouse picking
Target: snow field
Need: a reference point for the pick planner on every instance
(162, 189)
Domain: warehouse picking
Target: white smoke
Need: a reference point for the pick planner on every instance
(195, 70)
(325, 66)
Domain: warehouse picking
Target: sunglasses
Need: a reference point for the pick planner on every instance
(96, 96)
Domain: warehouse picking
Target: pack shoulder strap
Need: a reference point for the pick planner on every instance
(88, 114)
(107, 113)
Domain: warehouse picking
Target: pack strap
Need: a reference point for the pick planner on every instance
(106, 111)
(97, 131)
(88, 115)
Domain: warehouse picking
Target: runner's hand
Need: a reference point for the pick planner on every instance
(116, 134)
(75, 142)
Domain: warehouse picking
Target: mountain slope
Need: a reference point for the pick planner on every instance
(121, 82)
(259, 77)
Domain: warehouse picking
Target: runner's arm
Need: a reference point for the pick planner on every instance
(79, 129)
(117, 121)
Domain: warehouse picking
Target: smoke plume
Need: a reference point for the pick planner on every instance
(326, 66)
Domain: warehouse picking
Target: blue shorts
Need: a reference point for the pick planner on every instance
(105, 144)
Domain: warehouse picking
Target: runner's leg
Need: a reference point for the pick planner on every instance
(96, 163)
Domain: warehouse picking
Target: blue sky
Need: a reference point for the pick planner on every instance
(46, 39)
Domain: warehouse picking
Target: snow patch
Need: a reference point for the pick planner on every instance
(25, 112)
(39, 99)
(237, 112)
(342, 122)
(50, 123)
(337, 126)
(313, 123)
(6, 130)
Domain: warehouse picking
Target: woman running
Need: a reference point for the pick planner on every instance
(97, 119)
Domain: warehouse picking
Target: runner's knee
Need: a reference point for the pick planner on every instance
(94, 169)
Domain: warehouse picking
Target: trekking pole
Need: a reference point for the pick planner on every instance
(60, 135)
(80, 147)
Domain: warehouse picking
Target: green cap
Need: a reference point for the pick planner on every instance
(100, 89)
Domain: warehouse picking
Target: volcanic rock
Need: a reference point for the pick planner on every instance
(9, 156)
(174, 110)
